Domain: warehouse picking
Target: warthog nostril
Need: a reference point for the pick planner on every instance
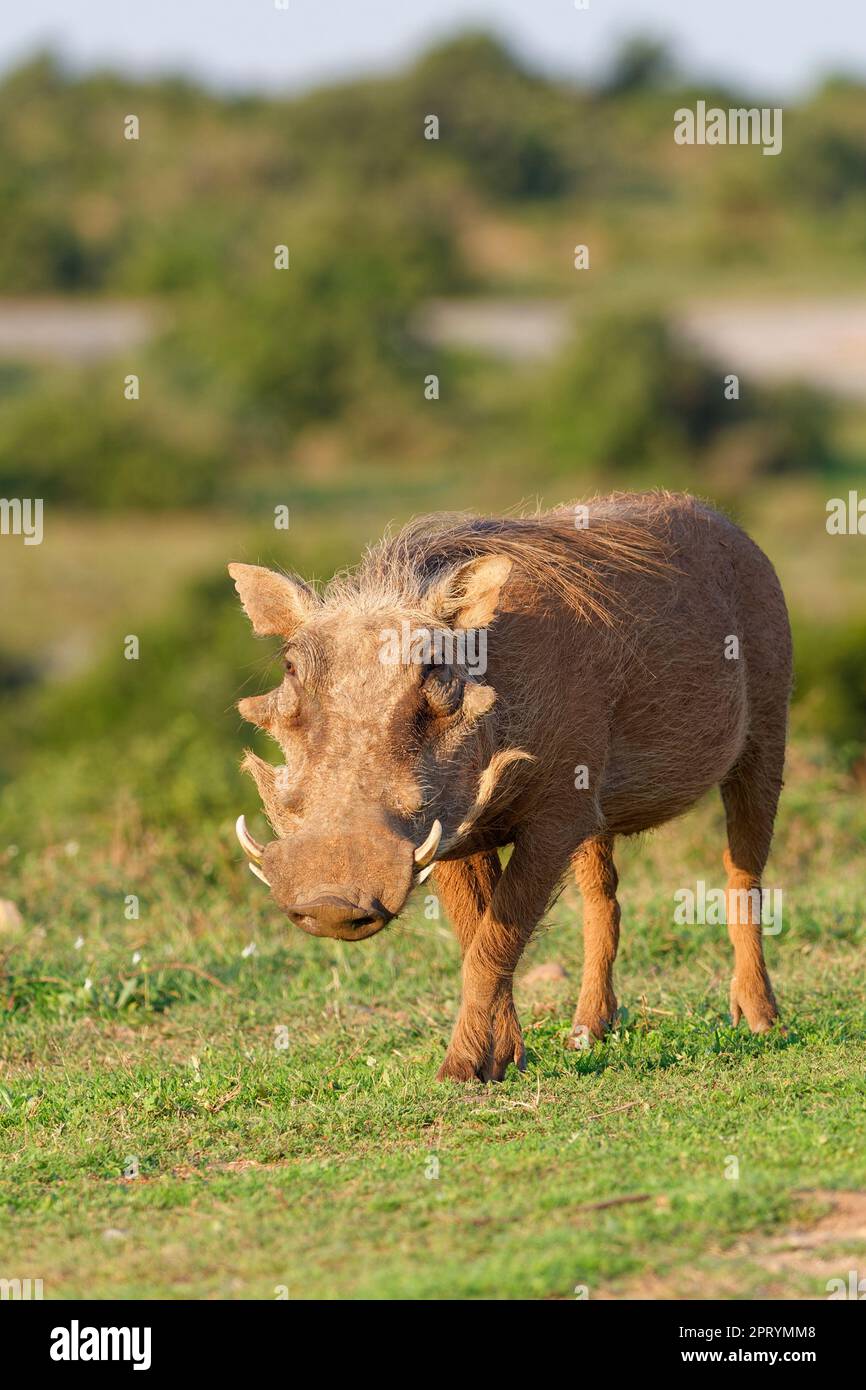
(329, 912)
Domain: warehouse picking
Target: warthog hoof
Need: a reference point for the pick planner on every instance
(504, 1047)
(758, 1006)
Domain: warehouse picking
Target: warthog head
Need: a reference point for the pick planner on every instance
(386, 732)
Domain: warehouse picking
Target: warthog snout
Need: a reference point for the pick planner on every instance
(331, 914)
(290, 867)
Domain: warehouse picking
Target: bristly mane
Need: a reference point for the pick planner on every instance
(548, 548)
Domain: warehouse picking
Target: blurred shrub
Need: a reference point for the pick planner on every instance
(75, 439)
(150, 728)
(632, 399)
(824, 164)
(640, 64)
(498, 121)
(830, 681)
(296, 346)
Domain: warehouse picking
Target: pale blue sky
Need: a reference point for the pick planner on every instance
(770, 46)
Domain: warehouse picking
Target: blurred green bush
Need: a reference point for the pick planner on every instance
(161, 728)
(631, 401)
(830, 689)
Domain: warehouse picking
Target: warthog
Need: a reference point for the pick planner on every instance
(637, 652)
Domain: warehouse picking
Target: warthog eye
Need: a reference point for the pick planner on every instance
(444, 693)
(289, 667)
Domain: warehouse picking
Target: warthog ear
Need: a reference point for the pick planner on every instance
(469, 595)
(274, 603)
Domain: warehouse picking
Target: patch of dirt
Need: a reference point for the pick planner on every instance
(804, 1250)
(807, 1252)
(11, 920)
(551, 972)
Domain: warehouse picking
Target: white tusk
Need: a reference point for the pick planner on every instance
(251, 848)
(254, 869)
(425, 873)
(424, 853)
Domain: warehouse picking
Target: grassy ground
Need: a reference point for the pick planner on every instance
(275, 1094)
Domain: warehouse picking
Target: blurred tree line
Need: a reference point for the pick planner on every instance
(376, 219)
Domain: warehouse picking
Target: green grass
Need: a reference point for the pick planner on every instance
(309, 1167)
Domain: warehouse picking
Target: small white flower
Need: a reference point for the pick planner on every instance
(249, 950)
(79, 942)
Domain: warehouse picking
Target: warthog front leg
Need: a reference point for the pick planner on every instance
(487, 1036)
(466, 887)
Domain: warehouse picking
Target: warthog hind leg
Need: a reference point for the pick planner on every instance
(750, 794)
(596, 874)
